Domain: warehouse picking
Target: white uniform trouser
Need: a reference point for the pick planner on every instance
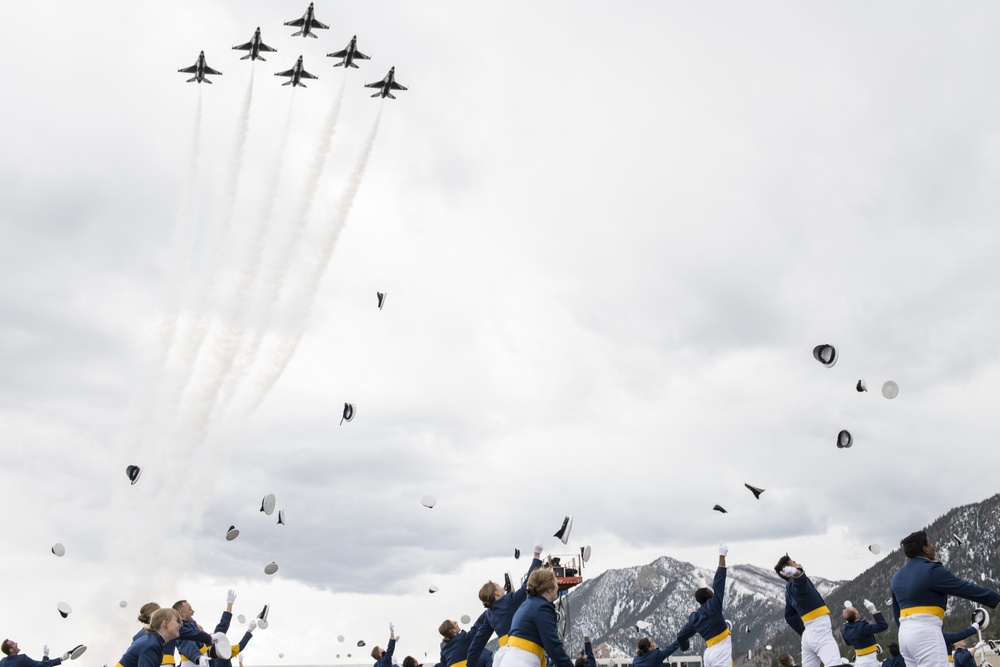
(867, 660)
(719, 655)
(511, 656)
(920, 641)
(818, 644)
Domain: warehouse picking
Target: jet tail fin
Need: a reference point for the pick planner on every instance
(246, 57)
(261, 58)
(354, 66)
(313, 35)
(390, 95)
(287, 83)
(340, 64)
(194, 78)
(296, 34)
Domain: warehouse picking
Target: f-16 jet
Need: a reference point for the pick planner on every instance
(307, 23)
(349, 55)
(387, 84)
(297, 73)
(254, 46)
(199, 69)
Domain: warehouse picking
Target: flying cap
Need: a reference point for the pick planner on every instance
(133, 473)
(888, 601)
(64, 609)
(750, 654)
(262, 617)
(58, 549)
(221, 646)
(232, 533)
(844, 440)
(981, 616)
(825, 354)
(642, 625)
(507, 585)
(348, 413)
(585, 553)
(77, 651)
(517, 553)
(720, 508)
(281, 655)
(878, 648)
(241, 619)
(464, 619)
(281, 517)
(271, 568)
(957, 538)
(267, 505)
(847, 604)
(890, 389)
(433, 589)
(747, 629)
(381, 298)
(429, 502)
(340, 638)
(123, 604)
(861, 386)
(754, 490)
(875, 548)
(768, 647)
(361, 642)
(564, 530)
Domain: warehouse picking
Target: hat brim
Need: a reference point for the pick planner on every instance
(77, 651)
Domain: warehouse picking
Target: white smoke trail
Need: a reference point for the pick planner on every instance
(283, 351)
(273, 285)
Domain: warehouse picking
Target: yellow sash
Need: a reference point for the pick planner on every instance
(529, 646)
(910, 611)
(866, 650)
(717, 638)
(815, 613)
(503, 640)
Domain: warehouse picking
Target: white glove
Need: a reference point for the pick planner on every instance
(584, 630)
(538, 549)
(252, 626)
(870, 606)
(203, 661)
(979, 646)
(789, 571)
(231, 598)
(392, 629)
(975, 624)
(723, 549)
(65, 656)
(45, 651)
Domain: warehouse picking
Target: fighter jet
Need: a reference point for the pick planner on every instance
(307, 23)
(254, 46)
(349, 55)
(199, 69)
(297, 73)
(386, 84)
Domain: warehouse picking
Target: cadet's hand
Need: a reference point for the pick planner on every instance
(538, 549)
(870, 606)
(231, 598)
(585, 631)
(789, 571)
(723, 549)
(45, 651)
(65, 656)
(252, 626)
(975, 624)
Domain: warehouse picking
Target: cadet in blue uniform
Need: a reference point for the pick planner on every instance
(808, 615)
(17, 659)
(383, 657)
(894, 659)
(587, 659)
(861, 634)
(147, 651)
(709, 622)
(920, 590)
(455, 645)
(533, 632)
(648, 655)
(189, 649)
(500, 608)
(961, 655)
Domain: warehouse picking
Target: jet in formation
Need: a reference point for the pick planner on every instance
(255, 46)
(297, 73)
(307, 23)
(199, 69)
(387, 84)
(349, 55)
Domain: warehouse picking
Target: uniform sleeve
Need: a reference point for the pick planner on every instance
(189, 650)
(591, 660)
(719, 584)
(481, 635)
(791, 616)
(546, 624)
(880, 625)
(386, 659)
(685, 634)
(943, 581)
(150, 657)
(522, 591)
(895, 609)
(44, 662)
(664, 653)
(243, 644)
(195, 635)
(223, 626)
(952, 637)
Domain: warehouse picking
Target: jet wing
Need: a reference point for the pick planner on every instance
(377, 84)
(338, 54)
(287, 72)
(307, 75)
(265, 47)
(209, 70)
(396, 86)
(189, 70)
(297, 23)
(360, 56)
(316, 24)
(245, 47)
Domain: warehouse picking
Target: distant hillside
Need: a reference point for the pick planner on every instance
(660, 593)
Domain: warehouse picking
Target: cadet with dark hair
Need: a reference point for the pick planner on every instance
(455, 646)
(808, 615)
(786, 660)
(383, 657)
(894, 659)
(147, 651)
(17, 659)
(587, 659)
(920, 590)
(648, 655)
(709, 622)
(410, 661)
(860, 635)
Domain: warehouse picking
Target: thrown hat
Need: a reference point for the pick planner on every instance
(428, 501)
(754, 490)
(747, 629)
(281, 517)
(348, 413)
(844, 440)
(720, 508)
(585, 553)
(267, 505)
(861, 386)
(77, 651)
(433, 589)
(982, 576)
(262, 617)
(271, 568)
(381, 298)
(729, 624)
(340, 638)
(825, 354)
(875, 548)
(133, 473)
(847, 604)
(64, 609)
(517, 553)
(123, 604)
(361, 642)
(957, 538)
(241, 619)
(888, 601)
(222, 648)
(982, 617)
(507, 585)
(643, 625)
(564, 530)
(234, 532)
(281, 655)
(464, 619)
(890, 389)
(750, 654)
(58, 549)
(767, 647)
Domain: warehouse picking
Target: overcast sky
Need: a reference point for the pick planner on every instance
(610, 234)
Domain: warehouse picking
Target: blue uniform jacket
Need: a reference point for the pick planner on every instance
(188, 648)
(21, 660)
(802, 603)
(591, 660)
(146, 651)
(386, 659)
(654, 657)
(456, 649)
(951, 637)
(708, 621)
(894, 661)
(535, 621)
(926, 583)
(500, 614)
(861, 634)
(963, 658)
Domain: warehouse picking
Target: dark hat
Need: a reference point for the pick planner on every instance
(825, 354)
(507, 585)
(232, 533)
(720, 508)
(844, 440)
(361, 642)
(262, 617)
(77, 651)
(754, 490)
(281, 517)
(861, 385)
(564, 530)
(517, 553)
(381, 298)
(133, 472)
(433, 589)
(348, 413)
